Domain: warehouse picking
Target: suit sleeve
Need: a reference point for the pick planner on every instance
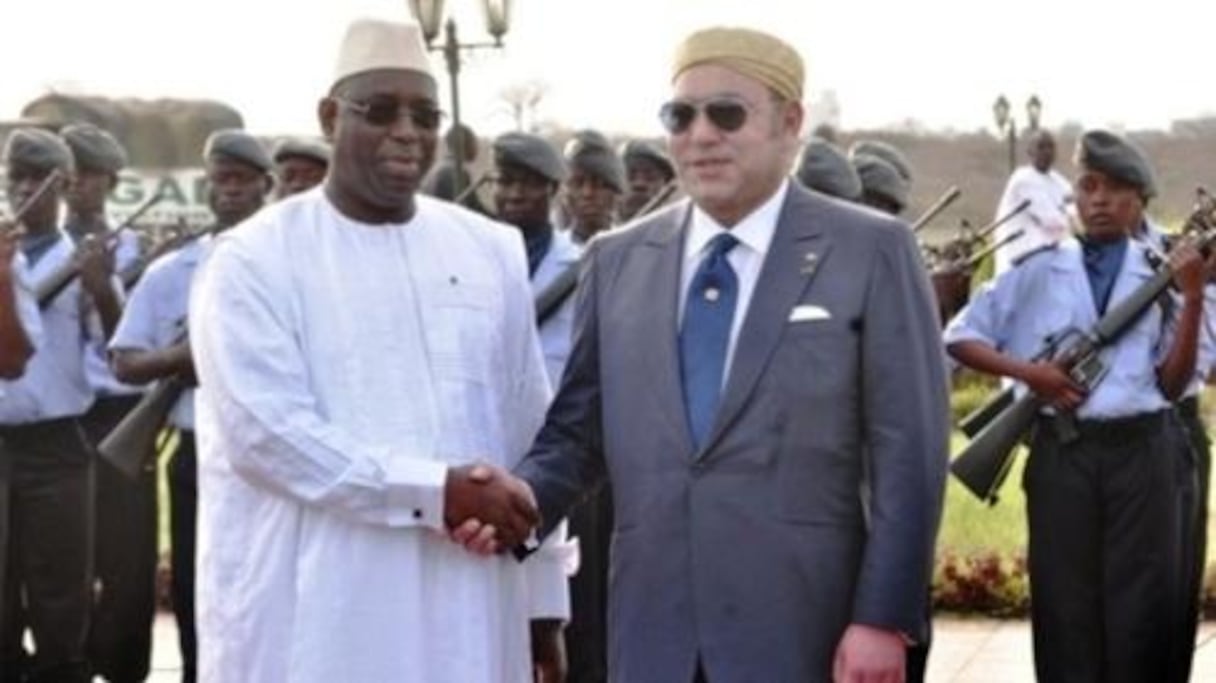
(906, 404)
(567, 459)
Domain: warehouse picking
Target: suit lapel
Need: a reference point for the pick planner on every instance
(795, 257)
(658, 279)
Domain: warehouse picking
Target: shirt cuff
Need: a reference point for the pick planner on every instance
(547, 572)
(415, 492)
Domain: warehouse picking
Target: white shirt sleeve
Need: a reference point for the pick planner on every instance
(254, 376)
(137, 327)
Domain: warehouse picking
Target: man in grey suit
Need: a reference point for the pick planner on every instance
(758, 373)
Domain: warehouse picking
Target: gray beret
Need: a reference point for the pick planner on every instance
(825, 168)
(93, 148)
(314, 150)
(591, 152)
(238, 146)
(880, 177)
(885, 151)
(530, 151)
(1105, 152)
(641, 149)
(38, 148)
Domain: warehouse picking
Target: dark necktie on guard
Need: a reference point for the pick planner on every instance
(709, 311)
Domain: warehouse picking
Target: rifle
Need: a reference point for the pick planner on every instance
(940, 205)
(132, 442)
(983, 465)
(56, 282)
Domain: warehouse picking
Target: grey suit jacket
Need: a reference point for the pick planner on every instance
(815, 501)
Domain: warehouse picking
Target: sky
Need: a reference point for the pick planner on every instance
(605, 63)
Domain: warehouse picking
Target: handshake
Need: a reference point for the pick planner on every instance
(487, 509)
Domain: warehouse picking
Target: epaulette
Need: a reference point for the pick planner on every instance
(1041, 249)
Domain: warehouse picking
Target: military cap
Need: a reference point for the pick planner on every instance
(93, 148)
(239, 146)
(1105, 152)
(530, 151)
(39, 149)
(825, 168)
(885, 151)
(590, 151)
(880, 177)
(314, 150)
(641, 149)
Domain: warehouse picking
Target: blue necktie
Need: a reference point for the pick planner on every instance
(705, 335)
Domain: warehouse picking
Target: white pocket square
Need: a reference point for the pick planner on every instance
(808, 312)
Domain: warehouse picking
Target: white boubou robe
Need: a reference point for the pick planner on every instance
(343, 368)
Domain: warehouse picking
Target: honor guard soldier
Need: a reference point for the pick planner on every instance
(1106, 475)
(647, 171)
(124, 546)
(299, 165)
(151, 345)
(594, 183)
(47, 461)
(824, 168)
(882, 186)
(888, 153)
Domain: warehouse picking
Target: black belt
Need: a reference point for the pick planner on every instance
(35, 430)
(1124, 428)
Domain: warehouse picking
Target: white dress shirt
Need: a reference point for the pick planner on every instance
(755, 234)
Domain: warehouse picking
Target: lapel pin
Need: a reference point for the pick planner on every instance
(811, 261)
(712, 294)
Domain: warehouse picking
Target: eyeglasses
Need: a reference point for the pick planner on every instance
(726, 114)
(385, 111)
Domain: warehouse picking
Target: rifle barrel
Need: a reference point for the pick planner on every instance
(940, 205)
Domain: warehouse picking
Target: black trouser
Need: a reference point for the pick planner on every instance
(1106, 554)
(586, 635)
(48, 557)
(183, 512)
(125, 555)
(1192, 419)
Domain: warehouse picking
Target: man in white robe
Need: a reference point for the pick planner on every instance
(1045, 220)
(359, 348)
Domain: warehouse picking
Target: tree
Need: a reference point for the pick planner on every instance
(523, 99)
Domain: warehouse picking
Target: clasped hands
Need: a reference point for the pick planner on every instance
(487, 509)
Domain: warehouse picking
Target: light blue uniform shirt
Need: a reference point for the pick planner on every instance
(557, 332)
(1049, 293)
(54, 384)
(97, 361)
(155, 315)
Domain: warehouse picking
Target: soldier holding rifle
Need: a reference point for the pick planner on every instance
(1107, 473)
(148, 345)
(124, 552)
(47, 463)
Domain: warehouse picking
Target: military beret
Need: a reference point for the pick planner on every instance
(93, 148)
(530, 151)
(314, 150)
(887, 152)
(591, 152)
(641, 149)
(239, 146)
(825, 168)
(1105, 152)
(38, 148)
(880, 177)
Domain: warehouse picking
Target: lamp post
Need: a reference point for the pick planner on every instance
(429, 14)
(1007, 124)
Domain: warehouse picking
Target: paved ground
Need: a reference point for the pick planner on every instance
(964, 651)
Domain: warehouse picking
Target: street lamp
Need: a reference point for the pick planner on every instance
(1007, 124)
(429, 14)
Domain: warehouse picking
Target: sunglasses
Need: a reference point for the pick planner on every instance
(727, 115)
(386, 111)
